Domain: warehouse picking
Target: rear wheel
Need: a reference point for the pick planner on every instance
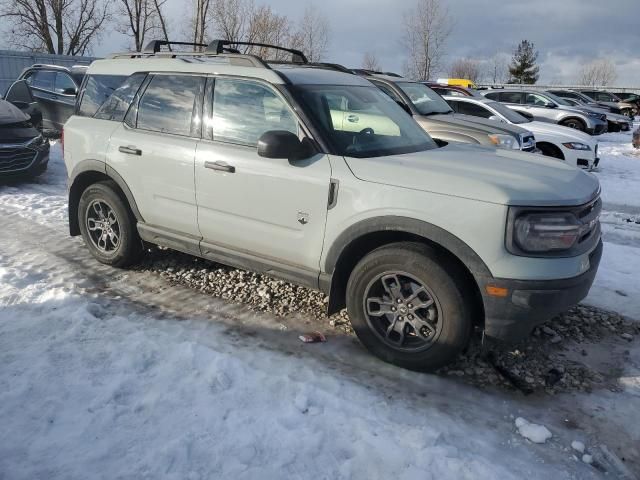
(406, 305)
(574, 123)
(107, 226)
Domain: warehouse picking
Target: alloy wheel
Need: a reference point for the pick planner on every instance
(103, 226)
(402, 311)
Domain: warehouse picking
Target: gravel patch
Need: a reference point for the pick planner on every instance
(547, 362)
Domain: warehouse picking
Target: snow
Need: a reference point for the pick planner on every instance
(577, 446)
(532, 432)
(587, 459)
(97, 383)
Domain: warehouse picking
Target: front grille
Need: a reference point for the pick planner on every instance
(590, 218)
(15, 158)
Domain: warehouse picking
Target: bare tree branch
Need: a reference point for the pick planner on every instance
(312, 36)
(56, 26)
(427, 28)
(466, 68)
(600, 72)
(370, 62)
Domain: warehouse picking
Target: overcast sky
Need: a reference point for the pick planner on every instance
(567, 33)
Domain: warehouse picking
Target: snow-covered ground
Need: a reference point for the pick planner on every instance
(112, 374)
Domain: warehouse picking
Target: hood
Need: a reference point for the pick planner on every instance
(571, 134)
(486, 174)
(486, 125)
(14, 124)
(9, 113)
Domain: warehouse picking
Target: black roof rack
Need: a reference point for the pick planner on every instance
(227, 46)
(364, 71)
(154, 46)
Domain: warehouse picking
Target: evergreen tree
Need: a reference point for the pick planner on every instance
(523, 68)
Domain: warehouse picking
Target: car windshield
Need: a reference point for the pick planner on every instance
(361, 121)
(426, 101)
(511, 115)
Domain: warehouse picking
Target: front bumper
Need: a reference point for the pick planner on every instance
(23, 162)
(530, 303)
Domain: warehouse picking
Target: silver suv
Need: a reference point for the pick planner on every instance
(250, 164)
(541, 106)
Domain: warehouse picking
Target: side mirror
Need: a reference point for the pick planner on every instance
(551, 105)
(284, 144)
(19, 92)
(70, 91)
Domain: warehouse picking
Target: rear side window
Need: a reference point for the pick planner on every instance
(44, 79)
(511, 97)
(116, 106)
(474, 110)
(64, 84)
(493, 96)
(97, 90)
(169, 102)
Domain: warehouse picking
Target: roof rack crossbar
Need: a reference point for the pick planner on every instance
(154, 46)
(222, 46)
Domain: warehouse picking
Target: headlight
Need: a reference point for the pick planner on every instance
(594, 114)
(37, 142)
(503, 141)
(577, 146)
(546, 232)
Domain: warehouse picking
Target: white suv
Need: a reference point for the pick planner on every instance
(236, 160)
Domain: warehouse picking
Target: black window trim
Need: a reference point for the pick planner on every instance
(72, 81)
(142, 90)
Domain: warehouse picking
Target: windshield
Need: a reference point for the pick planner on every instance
(426, 101)
(361, 121)
(511, 115)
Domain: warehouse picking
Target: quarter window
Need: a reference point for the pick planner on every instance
(169, 102)
(510, 97)
(243, 111)
(115, 108)
(96, 91)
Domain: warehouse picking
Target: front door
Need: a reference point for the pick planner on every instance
(154, 151)
(271, 209)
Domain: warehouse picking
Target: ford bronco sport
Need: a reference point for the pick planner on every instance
(247, 163)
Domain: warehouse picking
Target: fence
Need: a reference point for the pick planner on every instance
(557, 86)
(12, 63)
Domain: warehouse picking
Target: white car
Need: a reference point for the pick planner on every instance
(568, 144)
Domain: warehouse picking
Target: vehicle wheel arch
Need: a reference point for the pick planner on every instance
(88, 172)
(552, 149)
(368, 235)
(566, 120)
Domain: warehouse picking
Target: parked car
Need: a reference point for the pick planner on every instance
(460, 82)
(23, 150)
(441, 122)
(610, 100)
(451, 90)
(615, 122)
(629, 97)
(421, 241)
(537, 105)
(567, 144)
(55, 89)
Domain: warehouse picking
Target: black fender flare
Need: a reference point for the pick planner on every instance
(99, 169)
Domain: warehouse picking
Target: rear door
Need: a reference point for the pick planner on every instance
(154, 151)
(42, 85)
(65, 91)
(269, 210)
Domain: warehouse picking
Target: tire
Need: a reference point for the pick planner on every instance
(116, 222)
(574, 123)
(443, 329)
(550, 150)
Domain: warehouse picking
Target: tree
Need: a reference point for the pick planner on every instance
(427, 27)
(67, 27)
(141, 18)
(466, 68)
(523, 68)
(498, 71)
(200, 20)
(312, 37)
(370, 62)
(600, 72)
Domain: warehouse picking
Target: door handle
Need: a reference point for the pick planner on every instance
(130, 150)
(352, 118)
(220, 166)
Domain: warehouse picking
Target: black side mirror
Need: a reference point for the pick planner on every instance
(19, 92)
(70, 91)
(551, 105)
(284, 144)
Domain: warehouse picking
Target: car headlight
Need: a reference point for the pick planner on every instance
(37, 142)
(577, 146)
(503, 141)
(546, 232)
(594, 114)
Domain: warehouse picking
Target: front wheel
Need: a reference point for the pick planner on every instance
(407, 306)
(107, 226)
(575, 124)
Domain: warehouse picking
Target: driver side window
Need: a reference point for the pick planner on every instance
(537, 100)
